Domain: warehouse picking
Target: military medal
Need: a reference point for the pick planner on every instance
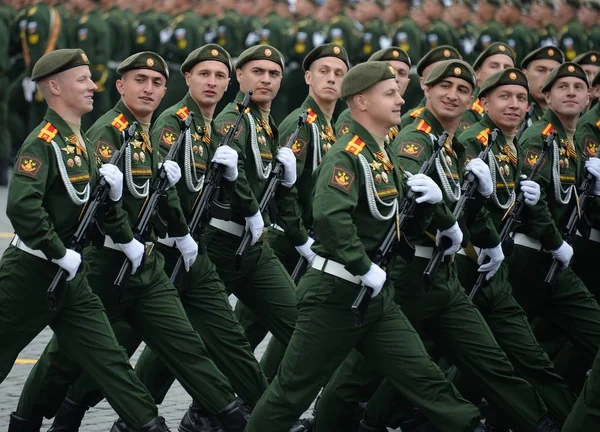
(77, 160)
(262, 140)
(375, 165)
(196, 136)
(136, 144)
(136, 157)
(330, 136)
(80, 149)
(68, 149)
(378, 178)
(387, 165)
(195, 149)
(142, 157)
(448, 160)
(146, 142)
(326, 147)
(205, 137)
(200, 151)
(258, 129)
(267, 128)
(561, 163)
(385, 177)
(507, 170)
(502, 170)
(567, 163)
(70, 163)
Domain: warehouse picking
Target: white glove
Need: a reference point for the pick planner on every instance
(188, 248)
(286, 156)
(255, 225)
(454, 234)
(531, 192)
(173, 172)
(496, 257)
(69, 262)
(29, 89)
(374, 279)
(114, 178)
(484, 179)
(424, 185)
(306, 251)
(227, 157)
(593, 167)
(564, 253)
(134, 250)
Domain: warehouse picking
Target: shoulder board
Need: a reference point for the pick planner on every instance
(548, 129)
(415, 113)
(598, 124)
(183, 112)
(311, 117)
(48, 132)
(120, 123)
(246, 111)
(422, 126)
(483, 136)
(477, 107)
(355, 146)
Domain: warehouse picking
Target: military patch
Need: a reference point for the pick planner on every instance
(477, 107)
(168, 136)
(422, 126)
(341, 179)
(29, 166)
(484, 136)
(298, 147)
(415, 113)
(48, 133)
(532, 156)
(266, 155)
(591, 146)
(120, 123)
(355, 146)
(343, 129)
(183, 112)
(104, 150)
(411, 149)
(311, 117)
(548, 129)
(387, 192)
(393, 133)
(79, 178)
(225, 126)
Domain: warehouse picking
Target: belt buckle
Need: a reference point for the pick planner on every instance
(149, 248)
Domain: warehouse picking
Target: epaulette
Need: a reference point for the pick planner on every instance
(548, 129)
(245, 112)
(120, 123)
(422, 126)
(183, 112)
(477, 107)
(311, 117)
(48, 132)
(483, 136)
(355, 146)
(415, 113)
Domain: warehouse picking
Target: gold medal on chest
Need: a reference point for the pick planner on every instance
(142, 157)
(70, 163)
(77, 160)
(385, 177)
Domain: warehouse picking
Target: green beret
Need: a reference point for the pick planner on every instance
(451, 68)
(260, 52)
(512, 76)
(391, 53)
(364, 76)
(207, 52)
(544, 53)
(546, 3)
(591, 4)
(144, 60)
(496, 3)
(441, 53)
(326, 50)
(588, 58)
(493, 49)
(565, 70)
(573, 3)
(58, 61)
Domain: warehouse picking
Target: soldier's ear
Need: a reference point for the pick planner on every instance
(547, 97)
(187, 76)
(484, 103)
(596, 91)
(238, 74)
(119, 85)
(307, 77)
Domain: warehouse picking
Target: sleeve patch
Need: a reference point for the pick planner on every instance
(411, 149)
(343, 129)
(298, 147)
(29, 166)
(532, 157)
(341, 179)
(591, 146)
(168, 136)
(225, 126)
(104, 150)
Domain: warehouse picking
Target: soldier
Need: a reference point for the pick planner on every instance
(517, 35)
(145, 30)
(150, 304)
(584, 415)
(458, 15)
(542, 12)
(588, 14)
(568, 306)
(348, 232)
(375, 31)
(503, 96)
(424, 67)
(341, 29)
(497, 56)
(50, 185)
(537, 66)
(5, 142)
(572, 38)
(492, 30)
(439, 31)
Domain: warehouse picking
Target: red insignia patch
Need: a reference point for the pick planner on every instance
(591, 146)
(104, 150)
(298, 147)
(168, 136)
(411, 149)
(225, 126)
(531, 157)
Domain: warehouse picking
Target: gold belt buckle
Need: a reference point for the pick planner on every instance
(149, 248)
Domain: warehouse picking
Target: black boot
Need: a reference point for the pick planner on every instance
(234, 416)
(18, 424)
(156, 425)
(69, 416)
(196, 419)
(119, 426)
(547, 425)
(364, 427)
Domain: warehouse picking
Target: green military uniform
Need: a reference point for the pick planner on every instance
(441, 33)
(547, 36)
(149, 303)
(492, 31)
(342, 30)
(584, 415)
(375, 32)
(5, 142)
(569, 307)
(573, 38)
(445, 314)
(145, 32)
(347, 237)
(119, 27)
(51, 182)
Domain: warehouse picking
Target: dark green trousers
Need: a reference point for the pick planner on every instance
(326, 333)
(152, 307)
(80, 327)
(585, 415)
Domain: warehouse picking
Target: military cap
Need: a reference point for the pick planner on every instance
(58, 61)
(564, 70)
(496, 3)
(391, 53)
(441, 53)
(144, 60)
(326, 50)
(547, 3)
(260, 52)
(364, 76)
(449, 69)
(573, 3)
(466, 3)
(588, 58)
(544, 53)
(207, 52)
(591, 4)
(511, 76)
(493, 49)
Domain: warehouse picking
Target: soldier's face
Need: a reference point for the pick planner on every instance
(597, 91)
(449, 98)
(261, 76)
(568, 96)
(491, 65)
(208, 81)
(590, 71)
(506, 105)
(402, 74)
(325, 78)
(383, 103)
(536, 73)
(142, 90)
(76, 89)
